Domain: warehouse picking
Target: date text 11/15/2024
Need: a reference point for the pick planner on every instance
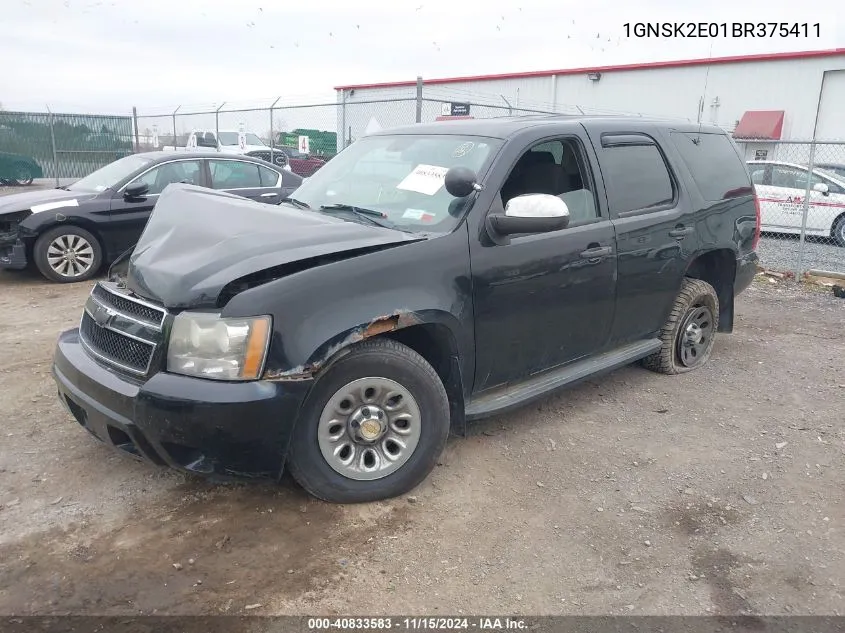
(722, 29)
(417, 624)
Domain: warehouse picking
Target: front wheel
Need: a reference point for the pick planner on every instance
(690, 331)
(372, 427)
(68, 253)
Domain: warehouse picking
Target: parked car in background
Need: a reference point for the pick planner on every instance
(301, 164)
(17, 169)
(782, 187)
(424, 277)
(224, 141)
(69, 232)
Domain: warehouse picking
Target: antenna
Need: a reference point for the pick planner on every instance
(704, 95)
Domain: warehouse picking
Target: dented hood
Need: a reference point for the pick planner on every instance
(198, 240)
(52, 198)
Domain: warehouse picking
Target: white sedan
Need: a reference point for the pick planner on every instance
(781, 188)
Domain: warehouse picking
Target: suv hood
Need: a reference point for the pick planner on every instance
(17, 202)
(198, 240)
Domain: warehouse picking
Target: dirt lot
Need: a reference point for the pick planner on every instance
(720, 491)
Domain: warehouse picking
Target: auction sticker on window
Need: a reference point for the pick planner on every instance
(418, 214)
(427, 179)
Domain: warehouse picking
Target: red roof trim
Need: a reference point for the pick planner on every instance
(602, 69)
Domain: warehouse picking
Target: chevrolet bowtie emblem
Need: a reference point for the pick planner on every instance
(102, 315)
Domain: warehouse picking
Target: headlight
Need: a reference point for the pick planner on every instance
(206, 345)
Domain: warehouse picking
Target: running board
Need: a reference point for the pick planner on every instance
(503, 399)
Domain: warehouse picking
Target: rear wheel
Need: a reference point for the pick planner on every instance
(690, 331)
(23, 175)
(68, 253)
(838, 232)
(372, 427)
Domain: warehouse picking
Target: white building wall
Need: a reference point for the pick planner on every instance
(792, 85)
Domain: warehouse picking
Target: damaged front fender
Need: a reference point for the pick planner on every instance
(339, 346)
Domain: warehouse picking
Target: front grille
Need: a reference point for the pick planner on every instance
(119, 330)
(116, 348)
(140, 311)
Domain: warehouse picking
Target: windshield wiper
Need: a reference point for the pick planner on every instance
(299, 204)
(369, 215)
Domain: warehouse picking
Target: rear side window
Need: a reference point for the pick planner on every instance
(636, 178)
(717, 170)
(269, 178)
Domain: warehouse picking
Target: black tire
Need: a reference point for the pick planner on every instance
(838, 231)
(694, 298)
(375, 358)
(23, 175)
(39, 253)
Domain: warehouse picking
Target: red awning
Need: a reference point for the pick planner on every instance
(760, 124)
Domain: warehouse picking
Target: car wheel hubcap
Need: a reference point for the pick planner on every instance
(369, 428)
(70, 255)
(695, 335)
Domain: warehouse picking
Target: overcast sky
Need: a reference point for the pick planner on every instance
(108, 55)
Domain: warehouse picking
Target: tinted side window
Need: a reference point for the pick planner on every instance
(168, 173)
(636, 177)
(233, 174)
(792, 177)
(758, 174)
(554, 168)
(716, 168)
(269, 178)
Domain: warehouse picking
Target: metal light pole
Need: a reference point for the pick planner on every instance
(217, 123)
(174, 127)
(272, 134)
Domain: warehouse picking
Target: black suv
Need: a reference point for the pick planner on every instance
(424, 277)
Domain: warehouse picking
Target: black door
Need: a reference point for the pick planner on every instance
(129, 216)
(655, 228)
(547, 299)
(246, 179)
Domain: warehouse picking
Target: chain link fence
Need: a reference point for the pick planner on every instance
(801, 188)
(35, 145)
(800, 184)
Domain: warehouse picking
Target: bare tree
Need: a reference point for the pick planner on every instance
(279, 125)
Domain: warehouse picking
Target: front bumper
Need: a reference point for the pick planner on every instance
(13, 255)
(192, 424)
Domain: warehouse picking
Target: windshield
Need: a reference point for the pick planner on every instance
(110, 175)
(231, 138)
(400, 176)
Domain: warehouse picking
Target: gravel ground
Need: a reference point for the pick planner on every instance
(714, 492)
(780, 252)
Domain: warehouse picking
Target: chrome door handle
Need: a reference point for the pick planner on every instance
(681, 231)
(269, 195)
(596, 253)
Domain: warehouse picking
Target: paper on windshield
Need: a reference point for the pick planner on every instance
(426, 179)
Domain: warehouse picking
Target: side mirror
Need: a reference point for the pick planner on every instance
(822, 188)
(531, 213)
(136, 190)
(461, 181)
